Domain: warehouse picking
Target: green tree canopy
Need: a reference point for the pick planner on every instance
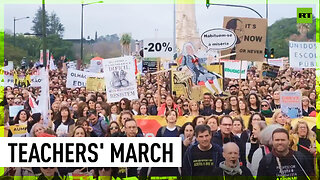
(53, 24)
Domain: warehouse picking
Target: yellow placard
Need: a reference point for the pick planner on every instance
(96, 84)
(18, 129)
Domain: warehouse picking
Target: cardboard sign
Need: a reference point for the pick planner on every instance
(251, 38)
(95, 84)
(270, 70)
(291, 104)
(302, 54)
(13, 110)
(120, 78)
(183, 85)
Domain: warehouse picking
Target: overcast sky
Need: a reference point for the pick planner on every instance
(139, 20)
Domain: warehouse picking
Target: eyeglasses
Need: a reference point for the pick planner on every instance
(112, 128)
(48, 168)
(264, 105)
(185, 105)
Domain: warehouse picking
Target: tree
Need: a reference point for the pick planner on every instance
(125, 42)
(53, 25)
(280, 32)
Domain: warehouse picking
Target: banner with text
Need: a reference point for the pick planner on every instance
(302, 54)
(276, 62)
(77, 78)
(120, 78)
(232, 69)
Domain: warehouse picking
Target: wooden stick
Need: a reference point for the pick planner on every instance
(158, 82)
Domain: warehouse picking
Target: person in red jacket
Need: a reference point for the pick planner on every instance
(169, 105)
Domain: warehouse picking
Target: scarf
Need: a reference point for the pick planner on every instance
(230, 171)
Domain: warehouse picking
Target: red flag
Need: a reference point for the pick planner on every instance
(33, 105)
(136, 66)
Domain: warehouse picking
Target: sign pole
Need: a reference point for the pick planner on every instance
(158, 82)
(240, 72)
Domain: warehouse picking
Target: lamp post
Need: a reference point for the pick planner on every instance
(14, 28)
(81, 40)
(232, 5)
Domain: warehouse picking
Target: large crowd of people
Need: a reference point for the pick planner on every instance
(217, 144)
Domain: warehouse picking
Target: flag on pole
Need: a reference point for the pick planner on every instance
(52, 65)
(33, 105)
(44, 98)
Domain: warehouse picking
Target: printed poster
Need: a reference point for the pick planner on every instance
(291, 104)
(120, 78)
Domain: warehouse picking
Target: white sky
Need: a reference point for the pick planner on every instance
(139, 20)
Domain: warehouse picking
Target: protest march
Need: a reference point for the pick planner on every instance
(230, 107)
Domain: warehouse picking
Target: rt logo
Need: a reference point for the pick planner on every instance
(304, 15)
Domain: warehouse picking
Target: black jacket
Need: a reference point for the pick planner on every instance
(246, 174)
(269, 168)
(217, 138)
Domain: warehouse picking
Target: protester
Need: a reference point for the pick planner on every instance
(209, 154)
(264, 148)
(63, 125)
(213, 123)
(282, 161)
(98, 125)
(230, 168)
(225, 135)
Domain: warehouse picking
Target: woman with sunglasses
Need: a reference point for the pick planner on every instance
(266, 109)
(124, 104)
(113, 129)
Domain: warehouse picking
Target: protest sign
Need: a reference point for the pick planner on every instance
(149, 66)
(150, 124)
(251, 38)
(77, 78)
(36, 80)
(158, 48)
(232, 69)
(120, 78)
(291, 104)
(18, 130)
(218, 39)
(183, 85)
(71, 65)
(302, 54)
(13, 110)
(8, 81)
(276, 62)
(95, 84)
(269, 70)
(95, 66)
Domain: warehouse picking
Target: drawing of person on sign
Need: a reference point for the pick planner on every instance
(200, 73)
(235, 25)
